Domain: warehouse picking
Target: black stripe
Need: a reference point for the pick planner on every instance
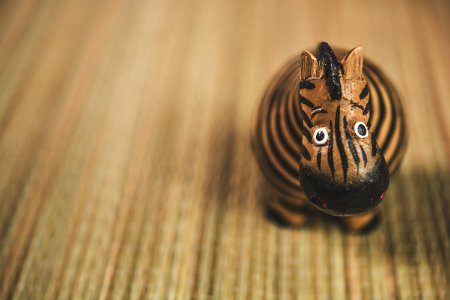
(264, 153)
(357, 105)
(369, 121)
(339, 143)
(363, 155)
(305, 118)
(319, 157)
(364, 92)
(281, 133)
(305, 101)
(275, 156)
(388, 139)
(291, 109)
(295, 108)
(307, 85)
(330, 150)
(318, 111)
(393, 171)
(371, 97)
(400, 144)
(396, 113)
(307, 135)
(280, 101)
(274, 149)
(300, 208)
(284, 105)
(367, 109)
(393, 119)
(292, 131)
(382, 112)
(374, 146)
(305, 153)
(350, 144)
(399, 162)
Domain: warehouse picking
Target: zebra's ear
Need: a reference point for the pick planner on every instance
(353, 64)
(310, 68)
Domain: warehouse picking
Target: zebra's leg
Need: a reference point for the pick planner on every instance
(287, 211)
(364, 223)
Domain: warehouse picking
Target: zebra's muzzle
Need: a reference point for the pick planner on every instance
(346, 199)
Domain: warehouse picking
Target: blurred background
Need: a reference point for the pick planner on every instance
(125, 161)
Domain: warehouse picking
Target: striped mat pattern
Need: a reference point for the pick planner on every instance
(125, 162)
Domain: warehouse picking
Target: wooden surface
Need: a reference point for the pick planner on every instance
(125, 162)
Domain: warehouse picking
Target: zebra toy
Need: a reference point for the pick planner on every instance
(329, 133)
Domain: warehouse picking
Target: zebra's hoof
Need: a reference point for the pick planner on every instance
(285, 219)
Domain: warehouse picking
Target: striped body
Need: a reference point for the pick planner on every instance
(279, 131)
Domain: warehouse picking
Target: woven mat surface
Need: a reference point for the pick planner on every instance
(125, 162)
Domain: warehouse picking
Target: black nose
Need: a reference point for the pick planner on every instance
(346, 199)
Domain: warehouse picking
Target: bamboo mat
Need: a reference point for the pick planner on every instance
(125, 161)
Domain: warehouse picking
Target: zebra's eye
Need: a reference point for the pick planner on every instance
(361, 130)
(320, 136)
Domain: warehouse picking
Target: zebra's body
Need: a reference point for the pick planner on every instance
(278, 133)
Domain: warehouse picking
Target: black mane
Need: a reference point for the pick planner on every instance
(331, 65)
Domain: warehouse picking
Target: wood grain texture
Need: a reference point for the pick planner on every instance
(125, 161)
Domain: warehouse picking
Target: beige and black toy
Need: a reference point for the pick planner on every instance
(329, 131)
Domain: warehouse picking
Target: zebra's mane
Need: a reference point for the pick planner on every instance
(331, 66)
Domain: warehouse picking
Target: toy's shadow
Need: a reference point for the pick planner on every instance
(314, 216)
(415, 195)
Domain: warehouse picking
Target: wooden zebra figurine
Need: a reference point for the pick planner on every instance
(329, 133)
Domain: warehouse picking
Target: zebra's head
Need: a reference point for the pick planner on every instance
(342, 170)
